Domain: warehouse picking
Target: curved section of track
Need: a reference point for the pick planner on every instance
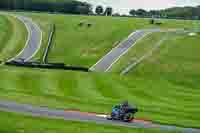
(33, 42)
(84, 117)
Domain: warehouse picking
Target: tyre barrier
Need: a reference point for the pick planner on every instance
(56, 66)
(49, 45)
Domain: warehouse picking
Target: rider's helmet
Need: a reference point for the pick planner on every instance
(125, 103)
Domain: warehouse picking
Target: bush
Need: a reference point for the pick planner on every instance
(158, 23)
(152, 21)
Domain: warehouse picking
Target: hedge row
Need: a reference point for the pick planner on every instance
(64, 6)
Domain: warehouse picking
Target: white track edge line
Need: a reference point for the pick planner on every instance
(126, 51)
(148, 54)
(92, 68)
(27, 41)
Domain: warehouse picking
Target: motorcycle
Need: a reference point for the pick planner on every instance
(120, 114)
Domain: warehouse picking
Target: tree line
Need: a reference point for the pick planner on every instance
(77, 7)
(187, 12)
(107, 12)
(175, 12)
(64, 6)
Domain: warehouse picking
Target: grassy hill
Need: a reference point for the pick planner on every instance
(176, 63)
(164, 87)
(141, 48)
(99, 92)
(177, 58)
(83, 46)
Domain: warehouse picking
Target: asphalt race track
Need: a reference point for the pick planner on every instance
(33, 42)
(105, 64)
(84, 117)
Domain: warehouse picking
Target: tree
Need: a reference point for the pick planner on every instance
(152, 13)
(83, 8)
(132, 12)
(116, 14)
(141, 12)
(155, 13)
(108, 11)
(99, 10)
(64, 6)
(196, 11)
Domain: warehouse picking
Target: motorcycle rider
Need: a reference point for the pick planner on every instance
(123, 111)
(116, 110)
(124, 107)
(120, 109)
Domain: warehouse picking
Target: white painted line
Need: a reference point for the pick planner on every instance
(103, 116)
(148, 31)
(92, 68)
(148, 54)
(27, 41)
(126, 51)
(29, 36)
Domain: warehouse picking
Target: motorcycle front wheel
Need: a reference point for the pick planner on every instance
(128, 117)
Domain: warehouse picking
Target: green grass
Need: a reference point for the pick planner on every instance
(99, 92)
(44, 24)
(82, 46)
(165, 87)
(141, 48)
(177, 61)
(14, 123)
(13, 37)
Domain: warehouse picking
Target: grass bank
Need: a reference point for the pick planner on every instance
(83, 45)
(141, 48)
(165, 87)
(13, 37)
(99, 92)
